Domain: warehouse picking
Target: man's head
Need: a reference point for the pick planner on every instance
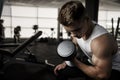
(74, 18)
(71, 12)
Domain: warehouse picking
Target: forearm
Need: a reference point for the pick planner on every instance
(90, 70)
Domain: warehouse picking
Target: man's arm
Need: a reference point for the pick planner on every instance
(102, 51)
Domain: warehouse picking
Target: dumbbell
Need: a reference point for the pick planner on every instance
(67, 51)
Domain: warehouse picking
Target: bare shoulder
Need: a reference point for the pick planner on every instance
(105, 44)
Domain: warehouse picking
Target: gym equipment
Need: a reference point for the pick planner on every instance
(20, 47)
(9, 45)
(4, 53)
(66, 50)
(17, 34)
(112, 32)
(117, 28)
(25, 70)
(35, 28)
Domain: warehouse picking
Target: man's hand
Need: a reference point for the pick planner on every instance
(59, 67)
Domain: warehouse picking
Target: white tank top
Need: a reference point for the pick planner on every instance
(85, 46)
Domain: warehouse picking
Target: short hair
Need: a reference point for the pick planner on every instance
(71, 12)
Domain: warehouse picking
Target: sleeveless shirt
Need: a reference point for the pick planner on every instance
(85, 46)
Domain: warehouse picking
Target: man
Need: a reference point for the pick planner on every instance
(96, 43)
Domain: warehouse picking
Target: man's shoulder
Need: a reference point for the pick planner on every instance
(104, 41)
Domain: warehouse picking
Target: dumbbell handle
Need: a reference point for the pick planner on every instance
(69, 63)
(46, 62)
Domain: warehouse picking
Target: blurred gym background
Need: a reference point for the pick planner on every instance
(21, 19)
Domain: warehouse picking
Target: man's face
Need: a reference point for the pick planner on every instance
(76, 30)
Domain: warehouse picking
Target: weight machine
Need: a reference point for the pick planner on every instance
(7, 56)
(117, 28)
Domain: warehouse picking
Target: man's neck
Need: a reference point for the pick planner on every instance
(89, 31)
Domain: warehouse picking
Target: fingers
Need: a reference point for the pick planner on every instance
(59, 67)
(55, 71)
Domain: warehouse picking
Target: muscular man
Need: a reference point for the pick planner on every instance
(95, 41)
